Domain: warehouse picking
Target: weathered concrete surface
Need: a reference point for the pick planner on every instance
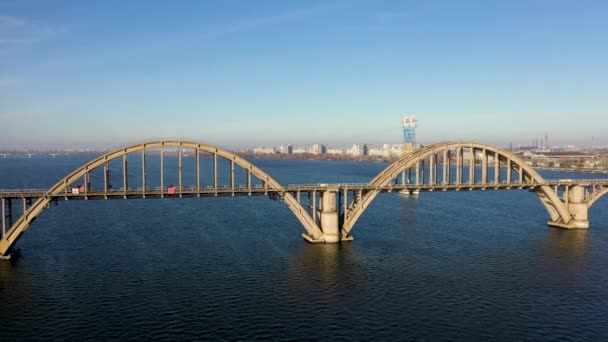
(577, 208)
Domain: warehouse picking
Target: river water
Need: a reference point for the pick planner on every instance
(440, 266)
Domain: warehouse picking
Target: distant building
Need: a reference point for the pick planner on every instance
(358, 150)
(300, 150)
(376, 152)
(561, 158)
(287, 149)
(265, 150)
(319, 149)
(387, 151)
(336, 151)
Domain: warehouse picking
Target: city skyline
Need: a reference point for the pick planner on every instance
(77, 75)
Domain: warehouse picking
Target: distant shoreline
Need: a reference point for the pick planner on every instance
(310, 156)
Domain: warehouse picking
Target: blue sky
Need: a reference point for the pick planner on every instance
(243, 73)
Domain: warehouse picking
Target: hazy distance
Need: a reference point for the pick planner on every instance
(241, 73)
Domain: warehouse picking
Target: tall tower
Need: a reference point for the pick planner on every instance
(409, 124)
(409, 129)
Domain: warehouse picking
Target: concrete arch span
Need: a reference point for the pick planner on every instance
(36, 208)
(478, 154)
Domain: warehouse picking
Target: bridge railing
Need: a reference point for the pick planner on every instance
(577, 181)
(133, 189)
(307, 187)
(23, 190)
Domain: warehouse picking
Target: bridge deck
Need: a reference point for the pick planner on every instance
(293, 188)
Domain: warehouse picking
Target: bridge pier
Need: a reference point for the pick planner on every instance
(329, 219)
(574, 199)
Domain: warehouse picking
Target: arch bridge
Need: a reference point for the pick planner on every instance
(327, 212)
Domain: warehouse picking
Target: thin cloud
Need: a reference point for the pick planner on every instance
(10, 81)
(389, 15)
(246, 25)
(8, 21)
(16, 31)
(16, 41)
(185, 36)
(400, 15)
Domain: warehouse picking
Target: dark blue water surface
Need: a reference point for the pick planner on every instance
(442, 266)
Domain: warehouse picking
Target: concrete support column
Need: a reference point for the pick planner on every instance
(198, 173)
(162, 171)
(314, 207)
(432, 169)
(87, 181)
(472, 167)
(232, 176)
(66, 189)
(125, 176)
(509, 171)
(249, 184)
(329, 216)
(435, 168)
(577, 207)
(496, 169)
(9, 212)
(459, 166)
(521, 175)
(345, 201)
(484, 167)
(215, 173)
(3, 218)
(179, 170)
(106, 179)
(143, 173)
(87, 184)
(446, 167)
(422, 171)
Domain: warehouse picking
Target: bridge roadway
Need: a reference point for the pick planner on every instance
(210, 191)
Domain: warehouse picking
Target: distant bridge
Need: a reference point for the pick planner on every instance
(330, 210)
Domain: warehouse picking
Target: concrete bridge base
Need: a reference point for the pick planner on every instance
(327, 239)
(329, 220)
(578, 208)
(14, 254)
(571, 225)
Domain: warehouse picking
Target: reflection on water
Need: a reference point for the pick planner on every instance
(407, 214)
(323, 266)
(566, 251)
(570, 243)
